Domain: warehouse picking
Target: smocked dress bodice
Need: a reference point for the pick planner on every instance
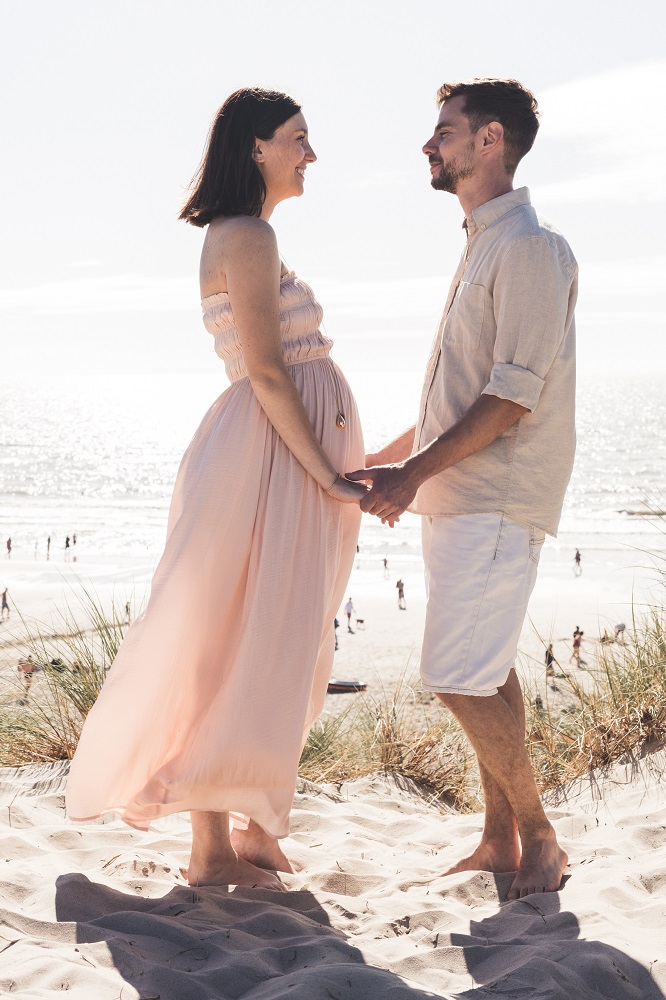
(300, 320)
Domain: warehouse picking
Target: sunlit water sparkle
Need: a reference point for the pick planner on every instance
(99, 458)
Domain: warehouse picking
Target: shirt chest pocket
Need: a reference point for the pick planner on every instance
(464, 322)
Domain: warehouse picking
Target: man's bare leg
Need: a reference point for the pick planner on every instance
(499, 743)
(499, 849)
(215, 862)
(256, 846)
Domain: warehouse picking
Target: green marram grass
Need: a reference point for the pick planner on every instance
(622, 712)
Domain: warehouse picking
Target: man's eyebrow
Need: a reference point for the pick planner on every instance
(444, 124)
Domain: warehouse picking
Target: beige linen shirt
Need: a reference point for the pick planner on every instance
(507, 330)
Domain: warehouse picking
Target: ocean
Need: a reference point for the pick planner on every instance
(97, 456)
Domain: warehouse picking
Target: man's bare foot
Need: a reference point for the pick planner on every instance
(541, 868)
(233, 871)
(257, 847)
(499, 857)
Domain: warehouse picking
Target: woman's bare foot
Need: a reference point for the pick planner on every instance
(541, 868)
(214, 860)
(497, 857)
(257, 847)
(232, 871)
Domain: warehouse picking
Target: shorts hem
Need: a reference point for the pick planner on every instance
(452, 689)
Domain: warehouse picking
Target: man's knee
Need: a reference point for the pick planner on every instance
(454, 702)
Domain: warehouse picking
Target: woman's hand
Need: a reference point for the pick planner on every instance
(346, 491)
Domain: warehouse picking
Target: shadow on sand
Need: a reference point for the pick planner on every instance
(247, 944)
(532, 948)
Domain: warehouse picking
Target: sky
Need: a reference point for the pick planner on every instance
(104, 116)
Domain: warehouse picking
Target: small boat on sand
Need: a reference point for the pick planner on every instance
(345, 687)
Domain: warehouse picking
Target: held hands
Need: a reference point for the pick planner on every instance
(393, 489)
(347, 492)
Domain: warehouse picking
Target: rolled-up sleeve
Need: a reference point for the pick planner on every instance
(533, 308)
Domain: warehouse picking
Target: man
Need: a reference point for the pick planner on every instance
(349, 611)
(488, 463)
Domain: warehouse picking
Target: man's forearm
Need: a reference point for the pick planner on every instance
(394, 485)
(486, 420)
(397, 450)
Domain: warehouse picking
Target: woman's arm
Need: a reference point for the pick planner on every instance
(252, 267)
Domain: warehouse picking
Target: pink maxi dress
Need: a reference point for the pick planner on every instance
(211, 696)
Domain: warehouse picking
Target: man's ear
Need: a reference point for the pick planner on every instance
(493, 134)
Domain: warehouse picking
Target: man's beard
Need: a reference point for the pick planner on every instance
(451, 174)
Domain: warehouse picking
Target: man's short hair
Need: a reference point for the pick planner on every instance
(504, 101)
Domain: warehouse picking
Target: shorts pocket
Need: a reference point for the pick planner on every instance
(537, 538)
(464, 322)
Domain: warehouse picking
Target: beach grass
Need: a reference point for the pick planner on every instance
(620, 711)
(393, 733)
(71, 663)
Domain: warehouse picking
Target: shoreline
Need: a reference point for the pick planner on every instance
(616, 584)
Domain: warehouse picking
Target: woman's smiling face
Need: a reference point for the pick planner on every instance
(284, 159)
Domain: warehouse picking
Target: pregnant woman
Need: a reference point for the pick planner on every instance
(209, 701)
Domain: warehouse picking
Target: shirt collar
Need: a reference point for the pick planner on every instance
(488, 213)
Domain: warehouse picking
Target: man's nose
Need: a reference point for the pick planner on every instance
(429, 147)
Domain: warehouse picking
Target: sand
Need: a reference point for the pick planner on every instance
(99, 910)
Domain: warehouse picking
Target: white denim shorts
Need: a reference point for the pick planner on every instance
(480, 570)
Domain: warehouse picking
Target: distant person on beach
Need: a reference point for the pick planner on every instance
(9, 547)
(386, 568)
(578, 569)
(619, 631)
(67, 549)
(5, 605)
(217, 682)
(550, 660)
(27, 668)
(489, 460)
(48, 548)
(349, 611)
(575, 655)
(402, 604)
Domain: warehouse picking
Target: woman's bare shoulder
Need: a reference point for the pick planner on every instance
(239, 231)
(236, 242)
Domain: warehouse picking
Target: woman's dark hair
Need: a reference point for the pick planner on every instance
(228, 181)
(504, 101)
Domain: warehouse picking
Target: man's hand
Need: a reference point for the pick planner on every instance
(393, 489)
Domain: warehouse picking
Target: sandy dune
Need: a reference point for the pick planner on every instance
(100, 911)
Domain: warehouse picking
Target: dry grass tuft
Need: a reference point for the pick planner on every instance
(622, 713)
(45, 725)
(390, 734)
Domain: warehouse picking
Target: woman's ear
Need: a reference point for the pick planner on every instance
(257, 153)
